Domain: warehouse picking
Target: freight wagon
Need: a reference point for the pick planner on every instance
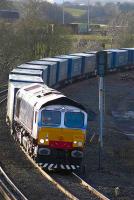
(130, 55)
(52, 70)
(119, 57)
(62, 67)
(42, 68)
(74, 65)
(88, 63)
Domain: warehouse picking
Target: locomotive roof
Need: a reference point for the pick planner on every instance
(38, 95)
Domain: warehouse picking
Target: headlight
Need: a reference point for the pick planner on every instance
(79, 144)
(41, 141)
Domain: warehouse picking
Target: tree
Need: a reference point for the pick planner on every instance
(121, 30)
(5, 4)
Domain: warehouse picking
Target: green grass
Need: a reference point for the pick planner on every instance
(75, 12)
(91, 37)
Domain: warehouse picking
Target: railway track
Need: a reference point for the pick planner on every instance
(78, 187)
(8, 189)
(70, 184)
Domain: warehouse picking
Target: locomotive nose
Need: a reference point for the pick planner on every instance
(61, 138)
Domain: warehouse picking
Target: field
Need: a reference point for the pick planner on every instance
(75, 12)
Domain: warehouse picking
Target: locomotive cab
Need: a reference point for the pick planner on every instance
(61, 131)
(58, 120)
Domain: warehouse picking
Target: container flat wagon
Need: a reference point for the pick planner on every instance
(62, 67)
(52, 70)
(44, 69)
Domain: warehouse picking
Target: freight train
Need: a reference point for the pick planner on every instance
(50, 126)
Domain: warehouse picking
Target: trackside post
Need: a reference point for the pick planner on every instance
(101, 71)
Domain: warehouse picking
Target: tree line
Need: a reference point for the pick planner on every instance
(31, 37)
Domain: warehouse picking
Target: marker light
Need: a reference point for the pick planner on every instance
(75, 142)
(80, 144)
(41, 141)
(46, 139)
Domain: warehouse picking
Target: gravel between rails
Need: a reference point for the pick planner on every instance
(19, 169)
(72, 184)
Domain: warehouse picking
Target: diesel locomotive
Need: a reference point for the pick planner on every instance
(50, 126)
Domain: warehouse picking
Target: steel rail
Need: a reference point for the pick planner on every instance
(3, 86)
(91, 189)
(3, 100)
(3, 91)
(6, 191)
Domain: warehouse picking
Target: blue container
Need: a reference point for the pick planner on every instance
(74, 65)
(130, 55)
(110, 60)
(91, 52)
(62, 67)
(119, 57)
(25, 78)
(52, 68)
(43, 68)
(88, 62)
(29, 72)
